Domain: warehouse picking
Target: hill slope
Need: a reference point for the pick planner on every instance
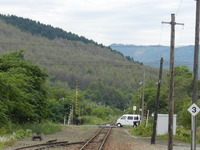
(94, 67)
(39, 29)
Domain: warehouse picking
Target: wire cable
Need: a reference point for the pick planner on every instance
(179, 8)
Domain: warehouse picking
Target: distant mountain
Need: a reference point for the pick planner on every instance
(150, 55)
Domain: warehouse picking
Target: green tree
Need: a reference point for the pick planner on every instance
(22, 86)
(182, 86)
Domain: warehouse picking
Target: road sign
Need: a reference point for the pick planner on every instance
(134, 108)
(194, 109)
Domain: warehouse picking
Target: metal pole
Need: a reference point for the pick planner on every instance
(195, 71)
(153, 137)
(193, 126)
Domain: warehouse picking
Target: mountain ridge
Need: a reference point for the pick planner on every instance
(149, 54)
(40, 29)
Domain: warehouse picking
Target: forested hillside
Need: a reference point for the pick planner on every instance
(39, 29)
(104, 76)
(61, 57)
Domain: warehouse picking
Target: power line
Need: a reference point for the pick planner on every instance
(178, 8)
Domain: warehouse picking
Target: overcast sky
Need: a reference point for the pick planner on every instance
(112, 21)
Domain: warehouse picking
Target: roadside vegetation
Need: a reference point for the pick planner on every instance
(182, 134)
(13, 132)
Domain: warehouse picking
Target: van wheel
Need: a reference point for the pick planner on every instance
(119, 125)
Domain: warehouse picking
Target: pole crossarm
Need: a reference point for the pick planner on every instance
(163, 22)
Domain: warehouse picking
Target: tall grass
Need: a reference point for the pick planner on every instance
(13, 132)
(141, 130)
(182, 134)
(92, 120)
(45, 128)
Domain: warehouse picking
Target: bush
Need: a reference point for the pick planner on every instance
(91, 120)
(183, 135)
(14, 132)
(9, 139)
(184, 117)
(141, 130)
(45, 128)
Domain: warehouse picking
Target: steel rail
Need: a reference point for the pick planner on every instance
(48, 144)
(91, 138)
(104, 140)
(95, 135)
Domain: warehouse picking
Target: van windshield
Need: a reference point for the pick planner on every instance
(123, 117)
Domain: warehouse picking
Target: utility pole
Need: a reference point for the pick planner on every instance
(195, 71)
(153, 137)
(171, 86)
(77, 106)
(142, 113)
(77, 103)
(70, 118)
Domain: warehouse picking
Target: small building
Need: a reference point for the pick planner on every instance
(162, 124)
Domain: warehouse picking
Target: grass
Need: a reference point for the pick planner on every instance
(14, 132)
(141, 131)
(182, 135)
(45, 128)
(92, 120)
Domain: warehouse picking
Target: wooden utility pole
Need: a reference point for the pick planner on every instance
(142, 113)
(77, 103)
(195, 71)
(153, 137)
(171, 86)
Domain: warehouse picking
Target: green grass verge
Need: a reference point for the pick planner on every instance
(12, 133)
(92, 120)
(141, 131)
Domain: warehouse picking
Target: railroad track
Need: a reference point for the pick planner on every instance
(49, 145)
(98, 140)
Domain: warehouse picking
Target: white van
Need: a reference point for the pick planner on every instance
(129, 120)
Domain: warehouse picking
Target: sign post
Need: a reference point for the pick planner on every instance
(194, 110)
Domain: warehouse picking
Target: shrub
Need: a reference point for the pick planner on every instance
(91, 120)
(182, 135)
(45, 128)
(142, 130)
(14, 132)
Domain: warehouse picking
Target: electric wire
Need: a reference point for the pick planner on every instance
(179, 8)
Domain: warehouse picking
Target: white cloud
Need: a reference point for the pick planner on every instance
(110, 21)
